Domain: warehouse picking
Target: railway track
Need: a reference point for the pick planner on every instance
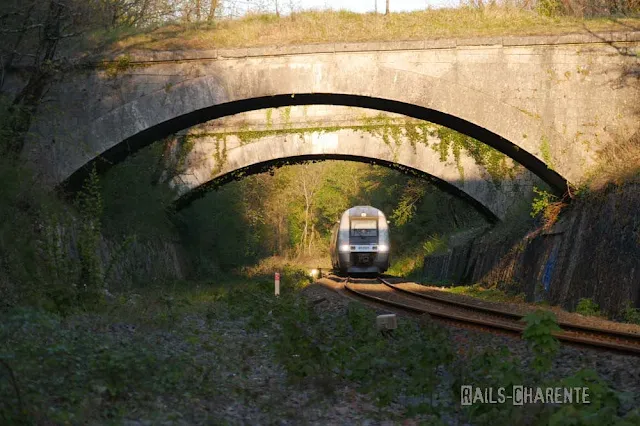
(380, 291)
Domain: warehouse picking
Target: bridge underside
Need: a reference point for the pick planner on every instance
(214, 159)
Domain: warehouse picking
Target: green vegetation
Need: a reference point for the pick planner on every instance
(588, 307)
(547, 206)
(449, 142)
(491, 294)
(392, 131)
(352, 349)
(104, 365)
(137, 182)
(91, 331)
(290, 212)
(545, 151)
(435, 244)
(500, 368)
(184, 352)
(113, 69)
(601, 410)
(631, 314)
(287, 213)
(541, 202)
(49, 248)
(541, 324)
(409, 263)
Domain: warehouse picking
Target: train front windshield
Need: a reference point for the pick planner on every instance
(364, 228)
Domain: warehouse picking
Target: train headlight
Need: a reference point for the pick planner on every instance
(345, 247)
(383, 248)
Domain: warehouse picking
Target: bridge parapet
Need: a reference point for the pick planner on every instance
(609, 38)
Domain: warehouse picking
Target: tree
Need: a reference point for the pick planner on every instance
(308, 183)
(32, 37)
(386, 12)
(212, 10)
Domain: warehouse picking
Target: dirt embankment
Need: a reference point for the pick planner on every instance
(592, 251)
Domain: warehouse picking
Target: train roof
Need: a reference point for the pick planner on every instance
(363, 211)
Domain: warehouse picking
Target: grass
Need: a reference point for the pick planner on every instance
(185, 354)
(164, 352)
(484, 293)
(618, 163)
(588, 307)
(631, 314)
(187, 351)
(408, 266)
(341, 26)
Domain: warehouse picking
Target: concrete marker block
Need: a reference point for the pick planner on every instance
(387, 322)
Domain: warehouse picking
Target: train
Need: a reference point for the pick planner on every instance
(360, 242)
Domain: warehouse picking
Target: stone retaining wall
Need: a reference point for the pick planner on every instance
(593, 251)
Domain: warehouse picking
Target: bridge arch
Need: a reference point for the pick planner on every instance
(265, 166)
(223, 87)
(213, 159)
(131, 144)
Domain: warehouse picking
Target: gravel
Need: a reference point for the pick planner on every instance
(621, 372)
(251, 387)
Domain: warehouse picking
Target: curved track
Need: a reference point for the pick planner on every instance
(382, 292)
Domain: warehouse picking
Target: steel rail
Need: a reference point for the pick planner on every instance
(598, 339)
(580, 328)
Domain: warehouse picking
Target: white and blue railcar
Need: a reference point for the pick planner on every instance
(360, 242)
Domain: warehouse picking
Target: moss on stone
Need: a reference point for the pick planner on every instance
(529, 113)
(269, 117)
(124, 63)
(285, 115)
(114, 68)
(220, 156)
(545, 151)
(394, 132)
(185, 145)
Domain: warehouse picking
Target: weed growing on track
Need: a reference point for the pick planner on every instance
(326, 351)
(64, 374)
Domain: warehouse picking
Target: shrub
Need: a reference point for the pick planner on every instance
(588, 307)
(550, 8)
(631, 314)
(350, 348)
(547, 205)
(541, 325)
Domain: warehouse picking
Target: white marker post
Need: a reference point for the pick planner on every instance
(277, 282)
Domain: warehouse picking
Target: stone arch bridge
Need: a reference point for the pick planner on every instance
(208, 155)
(548, 102)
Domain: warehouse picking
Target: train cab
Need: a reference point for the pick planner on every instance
(360, 242)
